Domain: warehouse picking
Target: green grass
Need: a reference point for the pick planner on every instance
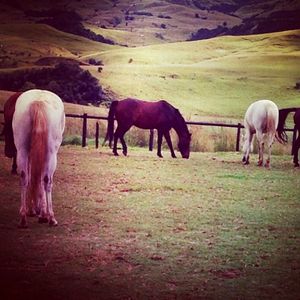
(143, 227)
(216, 77)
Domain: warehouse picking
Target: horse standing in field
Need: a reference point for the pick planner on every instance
(38, 124)
(261, 118)
(10, 148)
(282, 137)
(158, 115)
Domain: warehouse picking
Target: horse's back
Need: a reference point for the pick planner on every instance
(143, 114)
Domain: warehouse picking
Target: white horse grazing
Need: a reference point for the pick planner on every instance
(261, 118)
(38, 124)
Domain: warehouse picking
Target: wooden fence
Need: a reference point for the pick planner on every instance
(85, 118)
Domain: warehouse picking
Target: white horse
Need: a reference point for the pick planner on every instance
(38, 124)
(261, 118)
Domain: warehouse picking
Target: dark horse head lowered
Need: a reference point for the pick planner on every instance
(158, 115)
(281, 134)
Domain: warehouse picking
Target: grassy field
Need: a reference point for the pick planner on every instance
(218, 77)
(140, 227)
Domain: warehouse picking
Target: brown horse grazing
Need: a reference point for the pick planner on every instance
(10, 148)
(158, 115)
(282, 136)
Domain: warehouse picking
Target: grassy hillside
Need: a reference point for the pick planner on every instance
(25, 43)
(216, 77)
(212, 78)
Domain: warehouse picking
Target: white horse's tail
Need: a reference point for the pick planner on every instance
(271, 122)
(38, 146)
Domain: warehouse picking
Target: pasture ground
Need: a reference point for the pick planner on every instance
(140, 227)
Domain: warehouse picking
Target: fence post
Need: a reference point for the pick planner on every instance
(84, 129)
(238, 137)
(151, 137)
(97, 136)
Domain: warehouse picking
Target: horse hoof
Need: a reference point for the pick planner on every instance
(43, 220)
(115, 153)
(296, 165)
(260, 163)
(246, 162)
(53, 222)
(14, 172)
(125, 153)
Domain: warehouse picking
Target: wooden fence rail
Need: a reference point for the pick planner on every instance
(85, 118)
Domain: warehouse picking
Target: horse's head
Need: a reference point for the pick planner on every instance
(184, 145)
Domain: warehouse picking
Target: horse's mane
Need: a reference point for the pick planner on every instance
(283, 113)
(38, 144)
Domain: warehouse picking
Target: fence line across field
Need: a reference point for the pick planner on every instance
(85, 118)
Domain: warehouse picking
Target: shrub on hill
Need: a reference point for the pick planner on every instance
(277, 21)
(66, 79)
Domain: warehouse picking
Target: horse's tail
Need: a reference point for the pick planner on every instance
(38, 146)
(281, 133)
(110, 124)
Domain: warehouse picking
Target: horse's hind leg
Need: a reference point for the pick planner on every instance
(48, 184)
(260, 141)
(119, 133)
(14, 165)
(296, 150)
(169, 142)
(124, 146)
(116, 137)
(24, 181)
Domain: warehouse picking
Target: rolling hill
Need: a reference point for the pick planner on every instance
(216, 77)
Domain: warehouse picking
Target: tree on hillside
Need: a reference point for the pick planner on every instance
(66, 79)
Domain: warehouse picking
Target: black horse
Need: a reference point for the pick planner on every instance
(282, 136)
(10, 148)
(158, 115)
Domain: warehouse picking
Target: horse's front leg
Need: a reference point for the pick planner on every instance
(247, 147)
(159, 142)
(270, 142)
(169, 142)
(260, 142)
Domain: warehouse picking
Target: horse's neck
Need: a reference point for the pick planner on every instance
(180, 126)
